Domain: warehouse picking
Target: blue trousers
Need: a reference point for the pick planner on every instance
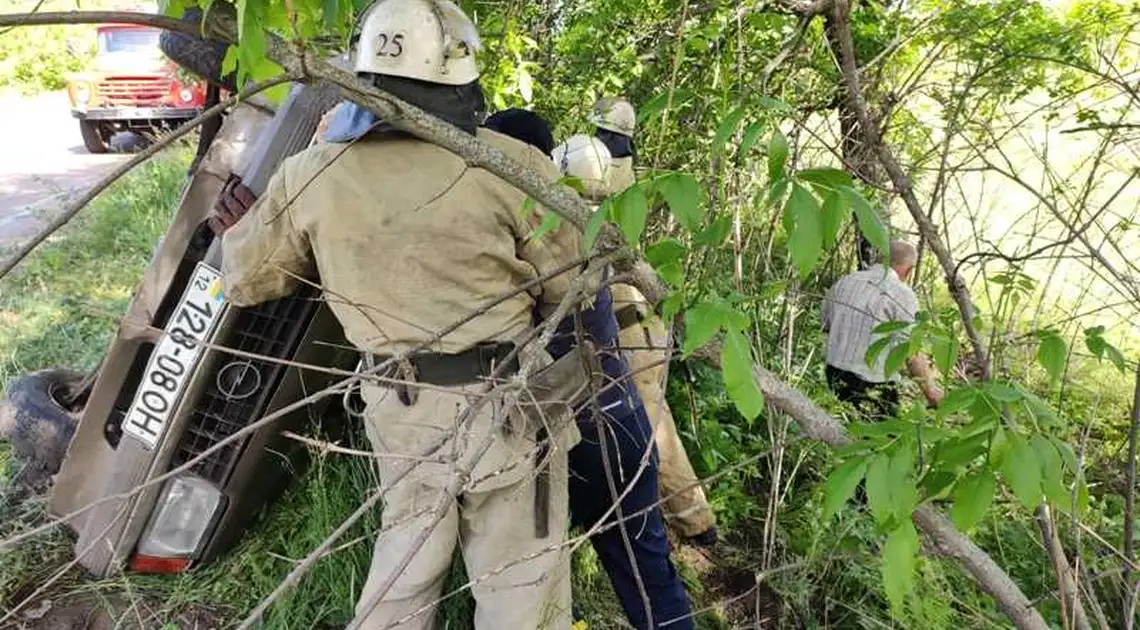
(626, 440)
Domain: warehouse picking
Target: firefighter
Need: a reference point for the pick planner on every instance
(617, 437)
(604, 163)
(409, 240)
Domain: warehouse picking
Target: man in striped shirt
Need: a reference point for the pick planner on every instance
(854, 306)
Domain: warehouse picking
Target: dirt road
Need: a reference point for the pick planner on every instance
(42, 162)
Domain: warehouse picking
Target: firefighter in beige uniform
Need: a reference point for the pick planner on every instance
(407, 240)
(604, 164)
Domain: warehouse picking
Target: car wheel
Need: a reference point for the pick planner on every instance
(39, 419)
(92, 136)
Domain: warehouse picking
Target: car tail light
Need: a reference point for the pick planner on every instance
(182, 517)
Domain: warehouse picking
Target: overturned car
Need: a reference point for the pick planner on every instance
(184, 372)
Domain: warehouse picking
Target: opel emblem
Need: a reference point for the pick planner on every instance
(238, 380)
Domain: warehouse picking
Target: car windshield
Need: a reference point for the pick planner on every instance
(144, 40)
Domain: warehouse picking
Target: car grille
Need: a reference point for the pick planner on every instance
(135, 91)
(237, 389)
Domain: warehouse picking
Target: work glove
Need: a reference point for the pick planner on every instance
(234, 201)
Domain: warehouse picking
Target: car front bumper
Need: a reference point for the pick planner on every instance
(136, 113)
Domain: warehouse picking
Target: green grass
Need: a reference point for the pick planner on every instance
(60, 307)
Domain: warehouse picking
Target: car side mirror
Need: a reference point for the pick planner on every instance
(74, 48)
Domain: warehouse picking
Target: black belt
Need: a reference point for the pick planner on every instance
(469, 366)
(628, 316)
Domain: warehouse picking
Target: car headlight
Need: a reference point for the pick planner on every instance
(181, 519)
(187, 95)
(82, 94)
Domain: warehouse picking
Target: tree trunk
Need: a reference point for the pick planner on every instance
(858, 157)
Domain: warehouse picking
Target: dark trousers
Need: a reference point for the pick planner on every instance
(626, 440)
(874, 401)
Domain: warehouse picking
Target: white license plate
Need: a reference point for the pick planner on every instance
(175, 356)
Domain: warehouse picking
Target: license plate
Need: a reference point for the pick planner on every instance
(175, 356)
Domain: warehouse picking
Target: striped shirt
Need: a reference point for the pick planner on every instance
(854, 306)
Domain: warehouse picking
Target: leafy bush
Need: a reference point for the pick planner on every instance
(37, 59)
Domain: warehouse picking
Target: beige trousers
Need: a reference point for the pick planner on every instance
(644, 348)
(521, 582)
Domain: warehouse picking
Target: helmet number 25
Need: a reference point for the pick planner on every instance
(389, 45)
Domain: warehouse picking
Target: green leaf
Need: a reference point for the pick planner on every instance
(876, 348)
(172, 8)
(805, 240)
(715, 233)
(956, 401)
(1022, 471)
(832, 213)
(886, 328)
(665, 251)
(776, 191)
(900, 555)
(573, 182)
(1000, 446)
(657, 105)
(774, 104)
(1051, 353)
(870, 223)
(1115, 357)
(937, 484)
(683, 194)
(702, 323)
(550, 221)
(945, 353)
(230, 61)
(777, 156)
(1003, 393)
(726, 128)
(972, 499)
(879, 489)
(830, 178)
(886, 428)
(631, 210)
(671, 306)
(1038, 409)
(736, 368)
(752, 133)
(904, 496)
(1052, 471)
(594, 226)
(961, 451)
(841, 483)
(896, 358)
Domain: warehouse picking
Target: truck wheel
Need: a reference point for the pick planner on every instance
(203, 57)
(92, 136)
(39, 426)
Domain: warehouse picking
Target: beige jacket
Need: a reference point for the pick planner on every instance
(407, 240)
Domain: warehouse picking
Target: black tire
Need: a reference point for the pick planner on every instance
(38, 425)
(92, 136)
(201, 56)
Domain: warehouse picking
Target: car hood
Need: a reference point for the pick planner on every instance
(133, 64)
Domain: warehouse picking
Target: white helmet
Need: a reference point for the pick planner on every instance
(614, 114)
(427, 40)
(586, 158)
